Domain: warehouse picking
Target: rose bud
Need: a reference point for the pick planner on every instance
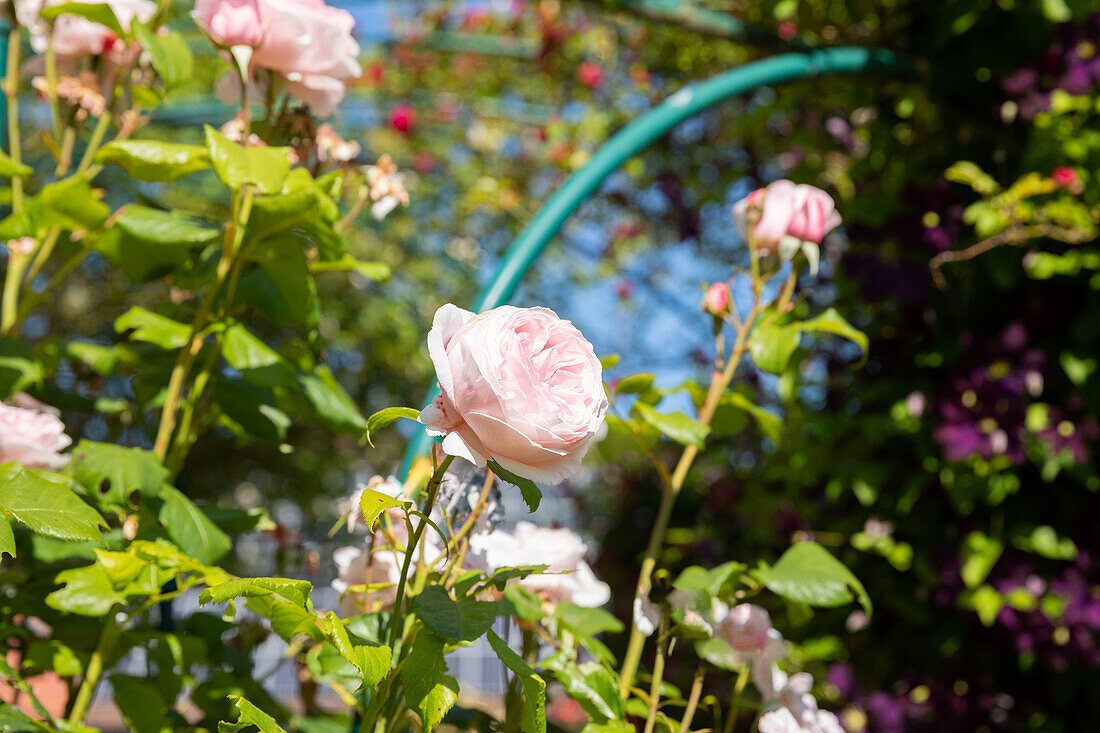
(717, 299)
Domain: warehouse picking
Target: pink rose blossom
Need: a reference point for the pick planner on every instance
(231, 22)
(784, 216)
(746, 628)
(32, 435)
(519, 386)
(75, 36)
(311, 45)
(568, 577)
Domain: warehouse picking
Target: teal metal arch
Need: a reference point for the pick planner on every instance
(640, 134)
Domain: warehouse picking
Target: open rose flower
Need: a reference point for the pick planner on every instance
(786, 217)
(231, 22)
(519, 386)
(310, 44)
(75, 36)
(33, 435)
(568, 577)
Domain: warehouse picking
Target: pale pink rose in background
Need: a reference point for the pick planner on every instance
(311, 45)
(717, 300)
(785, 214)
(745, 628)
(568, 577)
(32, 435)
(230, 22)
(519, 386)
(75, 37)
(380, 565)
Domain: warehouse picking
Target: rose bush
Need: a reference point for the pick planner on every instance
(219, 261)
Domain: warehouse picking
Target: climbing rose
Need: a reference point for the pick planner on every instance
(568, 577)
(231, 22)
(520, 386)
(32, 435)
(784, 215)
(310, 44)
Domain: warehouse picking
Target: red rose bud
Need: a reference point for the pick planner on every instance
(402, 118)
(1066, 177)
(589, 74)
(717, 300)
(625, 289)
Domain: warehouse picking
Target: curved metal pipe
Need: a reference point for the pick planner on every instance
(640, 134)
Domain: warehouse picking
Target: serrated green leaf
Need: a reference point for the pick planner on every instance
(45, 504)
(10, 169)
(7, 538)
(331, 402)
(372, 503)
(772, 346)
(532, 494)
(294, 591)
(97, 12)
(534, 687)
(158, 228)
(248, 716)
(676, 425)
(429, 690)
(372, 660)
(168, 52)
(237, 165)
(112, 473)
(466, 619)
(808, 573)
(387, 416)
(153, 328)
(695, 578)
(191, 529)
(154, 160)
(832, 322)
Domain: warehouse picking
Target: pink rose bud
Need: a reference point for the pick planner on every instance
(717, 300)
(785, 213)
(624, 289)
(403, 118)
(519, 386)
(1067, 177)
(32, 436)
(589, 74)
(230, 22)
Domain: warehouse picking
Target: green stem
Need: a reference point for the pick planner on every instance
(693, 701)
(397, 620)
(107, 638)
(233, 237)
(184, 438)
(11, 90)
(735, 703)
(658, 675)
(96, 140)
(51, 87)
(13, 278)
(719, 382)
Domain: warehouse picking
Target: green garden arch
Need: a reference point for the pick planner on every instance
(640, 134)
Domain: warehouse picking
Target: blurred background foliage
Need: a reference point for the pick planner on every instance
(954, 471)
